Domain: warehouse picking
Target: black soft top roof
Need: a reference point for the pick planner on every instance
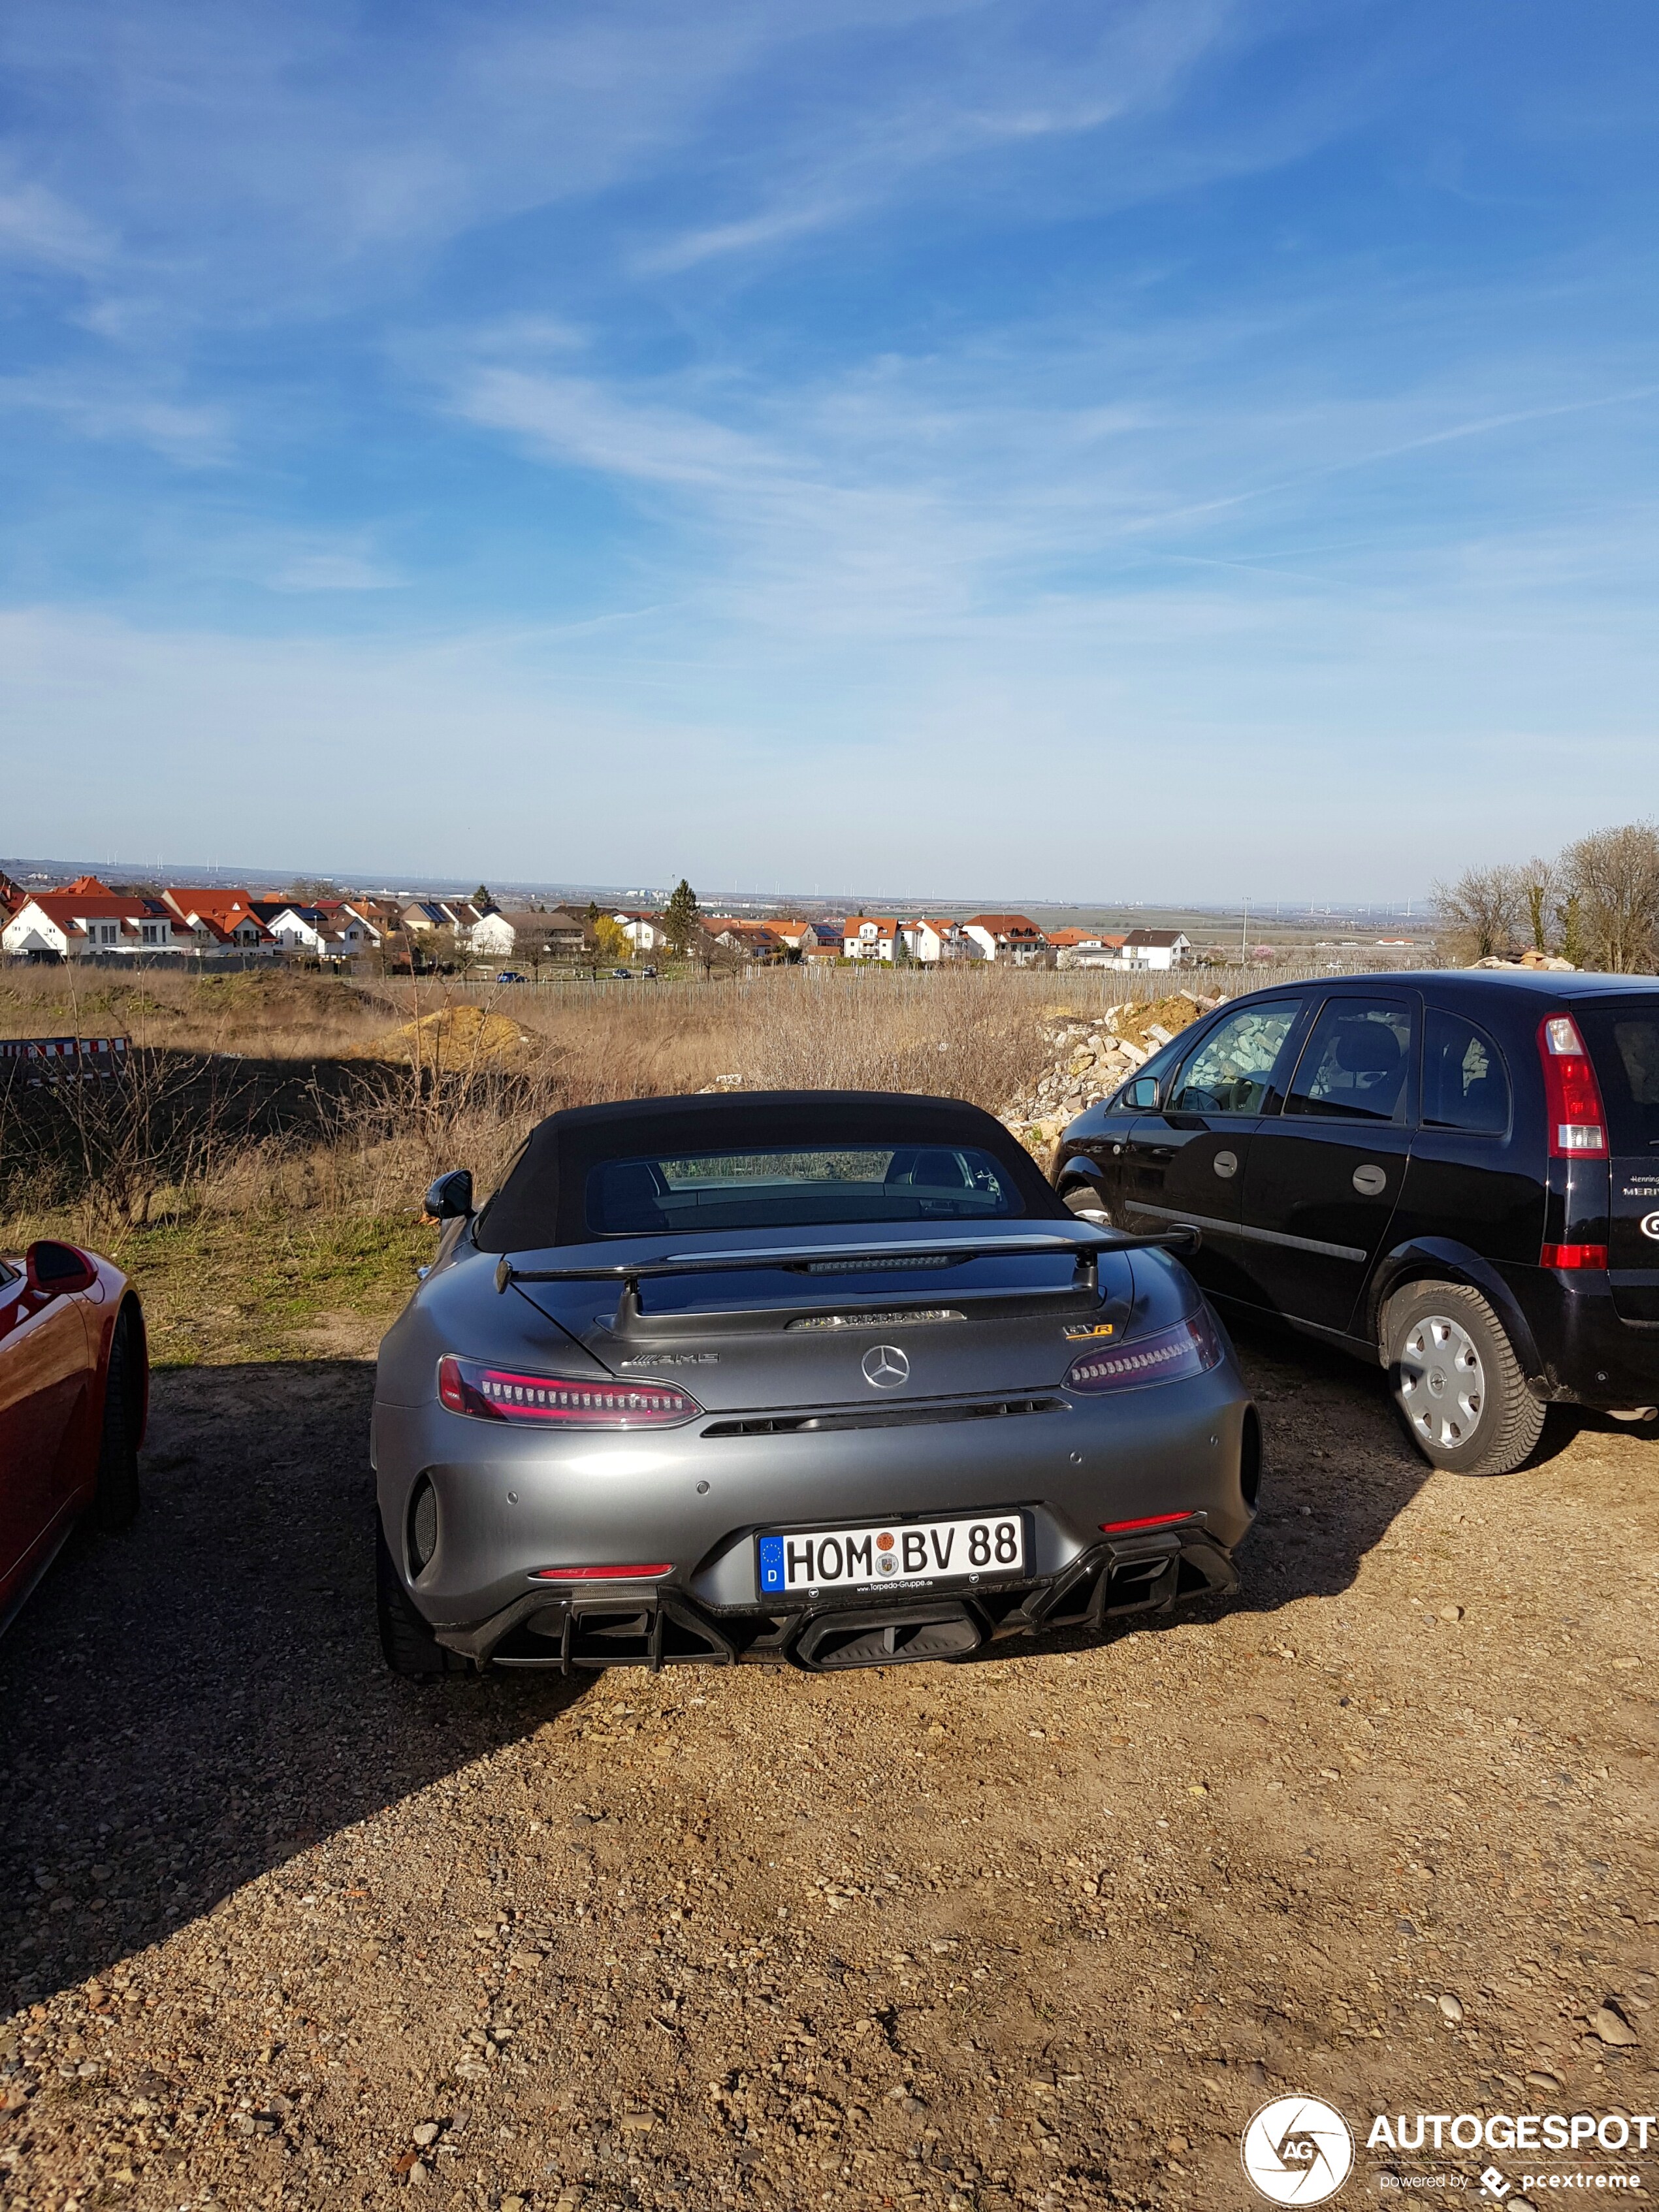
(542, 1198)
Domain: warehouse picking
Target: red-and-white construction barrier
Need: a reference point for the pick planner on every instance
(63, 1059)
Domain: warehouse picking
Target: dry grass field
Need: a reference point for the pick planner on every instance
(260, 1168)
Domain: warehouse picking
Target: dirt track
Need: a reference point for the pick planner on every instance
(1042, 1931)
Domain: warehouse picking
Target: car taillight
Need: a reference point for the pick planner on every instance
(552, 1401)
(1573, 1255)
(1191, 1347)
(1572, 1097)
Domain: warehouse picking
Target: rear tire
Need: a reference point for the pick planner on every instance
(116, 1500)
(409, 1647)
(1457, 1380)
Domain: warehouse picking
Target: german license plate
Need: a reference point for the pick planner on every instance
(905, 1554)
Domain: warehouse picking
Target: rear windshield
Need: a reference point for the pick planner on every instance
(797, 1189)
(1624, 1042)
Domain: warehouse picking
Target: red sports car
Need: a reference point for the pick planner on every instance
(73, 1395)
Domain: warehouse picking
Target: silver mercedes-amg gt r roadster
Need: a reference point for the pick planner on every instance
(829, 1377)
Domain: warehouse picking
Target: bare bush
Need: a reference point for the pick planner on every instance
(1485, 913)
(1612, 876)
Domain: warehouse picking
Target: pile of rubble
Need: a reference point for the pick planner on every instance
(1091, 1058)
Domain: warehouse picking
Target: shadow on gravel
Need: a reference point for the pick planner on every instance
(189, 1704)
(1337, 1472)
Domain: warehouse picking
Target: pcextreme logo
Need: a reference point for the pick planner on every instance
(1297, 2150)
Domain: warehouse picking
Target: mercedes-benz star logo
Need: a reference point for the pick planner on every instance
(1297, 2150)
(886, 1367)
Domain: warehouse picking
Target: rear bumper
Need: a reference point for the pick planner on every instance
(697, 1496)
(1588, 1353)
(652, 1626)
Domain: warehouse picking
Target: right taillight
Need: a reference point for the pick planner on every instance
(1191, 1347)
(1572, 1097)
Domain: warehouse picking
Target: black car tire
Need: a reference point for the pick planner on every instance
(410, 1647)
(1083, 1197)
(116, 1500)
(1437, 1336)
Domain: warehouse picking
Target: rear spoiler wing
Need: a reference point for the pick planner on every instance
(851, 1260)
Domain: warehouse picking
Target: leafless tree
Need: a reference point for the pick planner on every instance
(1483, 913)
(1613, 876)
(1539, 882)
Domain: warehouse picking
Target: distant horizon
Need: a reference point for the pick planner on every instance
(372, 883)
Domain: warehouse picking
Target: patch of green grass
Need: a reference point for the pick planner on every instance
(219, 1289)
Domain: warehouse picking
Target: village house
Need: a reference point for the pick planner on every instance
(646, 932)
(217, 920)
(327, 929)
(1156, 948)
(87, 918)
(1010, 937)
(420, 917)
(1086, 948)
(755, 940)
(932, 940)
(533, 934)
(871, 937)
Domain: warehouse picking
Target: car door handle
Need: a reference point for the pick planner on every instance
(1369, 1180)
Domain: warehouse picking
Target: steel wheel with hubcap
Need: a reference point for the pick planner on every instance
(1457, 1381)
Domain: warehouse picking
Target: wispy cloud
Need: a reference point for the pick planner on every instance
(583, 422)
(108, 407)
(37, 225)
(334, 569)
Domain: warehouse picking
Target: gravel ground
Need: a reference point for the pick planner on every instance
(277, 1930)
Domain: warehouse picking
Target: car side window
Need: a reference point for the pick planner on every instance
(1354, 1064)
(1465, 1084)
(1231, 1071)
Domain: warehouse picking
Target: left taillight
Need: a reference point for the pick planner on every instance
(1191, 1347)
(554, 1401)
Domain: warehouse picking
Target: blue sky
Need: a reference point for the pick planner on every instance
(1121, 451)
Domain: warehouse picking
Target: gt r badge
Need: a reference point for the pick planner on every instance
(884, 1367)
(1650, 1226)
(1090, 1329)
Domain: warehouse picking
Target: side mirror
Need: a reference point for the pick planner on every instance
(57, 1271)
(450, 1198)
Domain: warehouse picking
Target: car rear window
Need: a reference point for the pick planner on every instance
(797, 1189)
(1624, 1042)
(1465, 1082)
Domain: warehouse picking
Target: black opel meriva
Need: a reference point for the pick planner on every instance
(1456, 1173)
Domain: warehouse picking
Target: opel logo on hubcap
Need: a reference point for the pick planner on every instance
(886, 1367)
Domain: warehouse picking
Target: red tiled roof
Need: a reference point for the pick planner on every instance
(1003, 925)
